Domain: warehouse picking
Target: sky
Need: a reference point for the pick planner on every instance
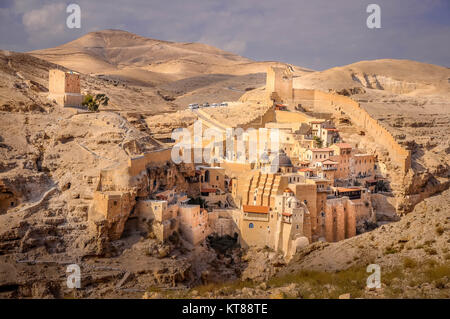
(316, 34)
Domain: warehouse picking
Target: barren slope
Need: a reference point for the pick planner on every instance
(396, 76)
(182, 72)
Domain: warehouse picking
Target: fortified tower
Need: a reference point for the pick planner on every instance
(64, 88)
(279, 85)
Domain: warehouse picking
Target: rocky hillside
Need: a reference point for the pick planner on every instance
(396, 76)
(181, 73)
(413, 255)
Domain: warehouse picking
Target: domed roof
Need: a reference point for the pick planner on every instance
(288, 190)
(281, 159)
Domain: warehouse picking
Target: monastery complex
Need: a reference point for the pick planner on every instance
(314, 187)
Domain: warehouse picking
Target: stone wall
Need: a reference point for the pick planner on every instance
(260, 121)
(154, 158)
(224, 221)
(289, 117)
(342, 105)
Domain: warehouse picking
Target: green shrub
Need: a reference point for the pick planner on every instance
(93, 102)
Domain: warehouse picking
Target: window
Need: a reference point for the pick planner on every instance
(217, 177)
(250, 225)
(115, 203)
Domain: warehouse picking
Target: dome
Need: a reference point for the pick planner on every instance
(281, 159)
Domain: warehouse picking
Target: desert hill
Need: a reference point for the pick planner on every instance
(114, 51)
(183, 72)
(396, 76)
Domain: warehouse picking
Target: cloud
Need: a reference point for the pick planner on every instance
(317, 34)
(45, 23)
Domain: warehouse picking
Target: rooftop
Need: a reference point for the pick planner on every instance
(328, 161)
(208, 190)
(343, 145)
(255, 209)
(344, 189)
(325, 149)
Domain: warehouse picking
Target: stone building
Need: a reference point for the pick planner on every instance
(113, 207)
(342, 155)
(212, 177)
(64, 88)
(363, 166)
(327, 169)
(166, 218)
(318, 154)
(193, 223)
(284, 227)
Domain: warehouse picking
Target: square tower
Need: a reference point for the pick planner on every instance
(279, 84)
(64, 88)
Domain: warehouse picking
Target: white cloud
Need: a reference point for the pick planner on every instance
(316, 34)
(45, 23)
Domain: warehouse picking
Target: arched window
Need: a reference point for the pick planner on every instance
(250, 225)
(207, 177)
